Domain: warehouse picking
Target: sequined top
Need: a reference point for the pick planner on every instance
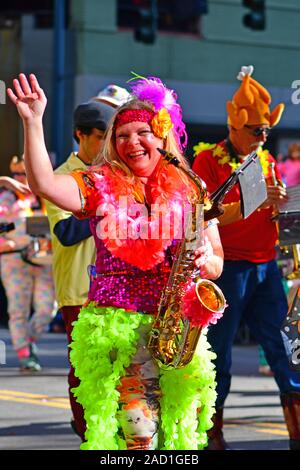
(117, 283)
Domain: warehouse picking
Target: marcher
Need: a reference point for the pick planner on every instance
(6, 182)
(72, 242)
(121, 387)
(10, 184)
(25, 285)
(251, 280)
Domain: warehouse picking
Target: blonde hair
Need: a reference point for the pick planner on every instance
(109, 155)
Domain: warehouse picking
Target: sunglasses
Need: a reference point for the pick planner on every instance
(260, 130)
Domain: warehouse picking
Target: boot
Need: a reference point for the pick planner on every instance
(290, 403)
(216, 440)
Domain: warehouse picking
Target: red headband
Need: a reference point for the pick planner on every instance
(133, 115)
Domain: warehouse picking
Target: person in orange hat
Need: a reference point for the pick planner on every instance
(24, 283)
(250, 280)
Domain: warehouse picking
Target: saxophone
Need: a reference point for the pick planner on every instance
(173, 339)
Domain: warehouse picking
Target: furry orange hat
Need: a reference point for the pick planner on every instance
(17, 165)
(250, 103)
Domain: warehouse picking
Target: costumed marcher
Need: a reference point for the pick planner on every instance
(11, 184)
(128, 400)
(251, 280)
(25, 285)
(72, 243)
(290, 170)
(6, 182)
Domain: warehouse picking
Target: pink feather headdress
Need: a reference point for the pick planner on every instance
(152, 89)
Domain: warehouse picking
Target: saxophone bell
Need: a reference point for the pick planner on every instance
(210, 296)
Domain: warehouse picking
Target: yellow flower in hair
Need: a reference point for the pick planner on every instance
(161, 123)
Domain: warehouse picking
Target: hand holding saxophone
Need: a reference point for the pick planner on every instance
(209, 264)
(209, 256)
(203, 253)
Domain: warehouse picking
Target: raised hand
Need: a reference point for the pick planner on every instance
(28, 97)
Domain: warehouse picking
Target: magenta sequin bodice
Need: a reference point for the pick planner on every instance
(117, 283)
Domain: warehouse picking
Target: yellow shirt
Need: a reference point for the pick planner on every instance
(70, 262)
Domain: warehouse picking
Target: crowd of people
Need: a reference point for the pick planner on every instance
(119, 210)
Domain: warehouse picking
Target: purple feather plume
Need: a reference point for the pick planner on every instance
(152, 89)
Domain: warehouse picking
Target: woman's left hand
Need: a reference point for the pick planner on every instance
(209, 257)
(202, 255)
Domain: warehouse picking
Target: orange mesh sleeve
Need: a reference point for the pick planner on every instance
(86, 186)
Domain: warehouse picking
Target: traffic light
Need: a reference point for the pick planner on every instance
(147, 23)
(256, 19)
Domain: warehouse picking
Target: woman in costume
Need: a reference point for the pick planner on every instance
(129, 401)
(24, 283)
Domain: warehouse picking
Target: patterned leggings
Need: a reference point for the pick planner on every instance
(25, 284)
(139, 399)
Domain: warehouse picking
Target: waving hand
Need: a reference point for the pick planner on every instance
(28, 97)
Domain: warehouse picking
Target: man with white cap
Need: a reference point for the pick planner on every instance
(113, 95)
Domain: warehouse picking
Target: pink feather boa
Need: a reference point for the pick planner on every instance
(167, 191)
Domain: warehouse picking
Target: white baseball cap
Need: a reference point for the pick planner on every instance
(114, 95)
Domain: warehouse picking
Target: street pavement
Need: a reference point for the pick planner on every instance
(35, 412)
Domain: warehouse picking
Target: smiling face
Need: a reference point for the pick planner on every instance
(136, 146)
(245, 141)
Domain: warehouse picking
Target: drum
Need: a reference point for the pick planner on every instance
(38, 252)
